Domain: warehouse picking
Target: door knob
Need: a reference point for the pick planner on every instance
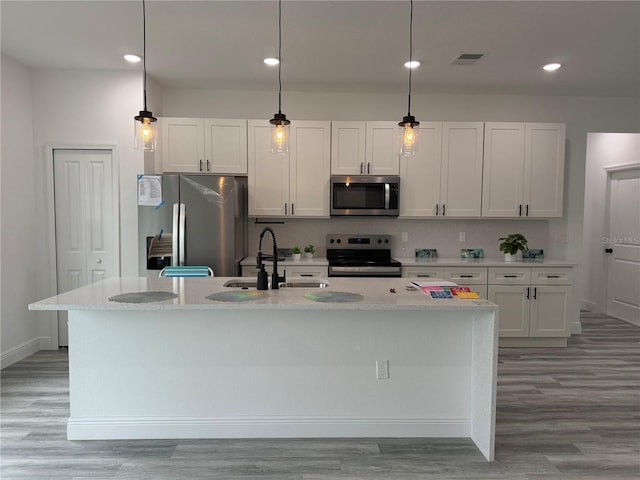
(99, 261)
(608, 250)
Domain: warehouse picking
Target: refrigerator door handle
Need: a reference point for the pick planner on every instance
(174, 242)
(181, 233)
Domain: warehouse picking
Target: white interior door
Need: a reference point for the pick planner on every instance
(623, 246)
(86, 221)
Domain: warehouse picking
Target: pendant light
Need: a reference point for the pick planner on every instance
(408, 127)
(279, 130)
(144, 128)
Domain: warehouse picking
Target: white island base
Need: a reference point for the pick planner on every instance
(272, 369)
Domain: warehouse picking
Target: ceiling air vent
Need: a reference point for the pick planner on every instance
(467, 59)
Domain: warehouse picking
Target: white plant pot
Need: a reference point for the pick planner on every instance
(308, 255)
(508, 257)
(296, 257)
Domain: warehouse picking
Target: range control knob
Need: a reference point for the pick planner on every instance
(379, 240)
(386, 240)
(338, 240)
(331, 240)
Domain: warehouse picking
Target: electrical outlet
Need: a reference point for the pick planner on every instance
(405, 236)
(382, 369)
(462, 236)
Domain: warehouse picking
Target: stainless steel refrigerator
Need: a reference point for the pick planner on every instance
(192, 220)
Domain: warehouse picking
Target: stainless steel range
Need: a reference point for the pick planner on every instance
(361, 256)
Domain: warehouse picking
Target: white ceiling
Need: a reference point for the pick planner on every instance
(341, 45)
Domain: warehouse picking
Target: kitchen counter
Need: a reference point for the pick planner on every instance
(319, 261)
(278, 363)
(483, 262)
(192, 293)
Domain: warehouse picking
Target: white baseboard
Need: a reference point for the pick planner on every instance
(20, 352)
(113, 428)
(589, 306)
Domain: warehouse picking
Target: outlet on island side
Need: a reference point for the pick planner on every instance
(405, 236)
(462, 236)
(382, 369)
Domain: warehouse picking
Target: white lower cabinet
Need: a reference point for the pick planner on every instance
(535, 304)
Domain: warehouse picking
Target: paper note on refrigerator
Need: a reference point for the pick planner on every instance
(149, 190)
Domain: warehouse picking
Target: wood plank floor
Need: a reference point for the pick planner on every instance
(563, 414)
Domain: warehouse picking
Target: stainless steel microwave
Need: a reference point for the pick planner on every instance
(365, 195)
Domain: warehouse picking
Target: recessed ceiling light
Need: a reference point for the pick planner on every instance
(132, 58)
(271, 61)
(412, 64)
(551, 67)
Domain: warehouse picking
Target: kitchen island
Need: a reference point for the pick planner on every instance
(362, 357)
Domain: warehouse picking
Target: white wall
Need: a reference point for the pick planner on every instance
(603, 150)
(70, 109)
(19, 220)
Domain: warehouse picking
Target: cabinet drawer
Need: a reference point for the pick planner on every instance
(552, 276)
(422, 272)
(509, 276)
(297, 271)
(466, 276)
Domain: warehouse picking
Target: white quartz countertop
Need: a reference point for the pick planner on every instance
(191, 294)
(482, 262)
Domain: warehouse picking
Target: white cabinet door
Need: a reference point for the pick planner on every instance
(420, 174)
(513, 301)
(348, 148)
(382, 154)
(182, 145)
(461, 175)
(550, 311)
(503, 171)
(544, 169)
(268, 174)
(310, 151)
(225, 146)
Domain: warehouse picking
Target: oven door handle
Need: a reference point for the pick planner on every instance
(387, 196)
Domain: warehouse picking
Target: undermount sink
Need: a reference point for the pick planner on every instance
(301, 283)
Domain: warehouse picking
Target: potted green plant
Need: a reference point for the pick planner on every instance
(309, 250)
(511, 245)
(296, 253)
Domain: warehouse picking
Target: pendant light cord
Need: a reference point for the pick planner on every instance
(410, 56)
(279, 56)
(144, 52)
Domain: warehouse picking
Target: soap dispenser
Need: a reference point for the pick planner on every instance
(263, 278)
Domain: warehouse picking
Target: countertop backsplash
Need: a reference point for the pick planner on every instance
(439, 234)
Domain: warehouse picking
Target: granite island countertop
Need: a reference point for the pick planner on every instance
(192, 293)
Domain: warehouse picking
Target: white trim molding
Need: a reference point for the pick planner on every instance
(623, 167)
(22, 351)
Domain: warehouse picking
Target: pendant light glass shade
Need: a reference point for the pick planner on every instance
(408, 128)
(144, 129)
(279, 131)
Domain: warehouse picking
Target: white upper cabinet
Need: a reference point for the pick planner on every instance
(444, 178)
(523, 170)
(461, 175)
(544, 169)
(182, 144)
(420, 174)
(295, 184)
(364, 148)
(197, 145)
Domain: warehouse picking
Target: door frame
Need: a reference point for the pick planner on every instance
(50, 211)
(606, 227)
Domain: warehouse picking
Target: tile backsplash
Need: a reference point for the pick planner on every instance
(443, 235)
